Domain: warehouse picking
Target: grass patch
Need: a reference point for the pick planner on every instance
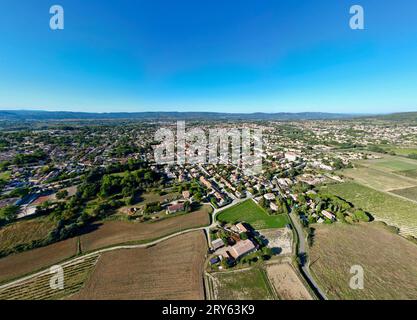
(154, 197)
(396, 165)
(408, 173)
(249, 284)
(409, 193)
(400, 151)
(253, 214)
(24, 232)
(5, 175)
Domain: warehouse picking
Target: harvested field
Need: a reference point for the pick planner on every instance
(20, 264)
(117, 232)
(169, 270)
(24, 232)
(388, 260)
(246, 284)
(286, 282)
(38, 288)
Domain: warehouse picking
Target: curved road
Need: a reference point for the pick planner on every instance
(295, 222)
(116, 247)
(302, 254)
(133, 246)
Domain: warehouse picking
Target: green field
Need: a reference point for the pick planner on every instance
(390, 163)
(249, 284)
(24, 232)
(378, 179)
(401, 151)
(396, 165)
(409, 193)
(408, 173)
(253, 214)
(391, 209)
(5, 175)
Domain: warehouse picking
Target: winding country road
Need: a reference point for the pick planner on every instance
(301, 249)
(302, 254)
(133, 246)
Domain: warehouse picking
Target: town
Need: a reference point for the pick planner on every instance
(98, 184)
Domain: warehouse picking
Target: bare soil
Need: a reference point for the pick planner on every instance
(170, 270)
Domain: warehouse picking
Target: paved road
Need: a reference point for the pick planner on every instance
(217, 211)
(298, 228)
(302, 253)
(134, 246)
(116, 247)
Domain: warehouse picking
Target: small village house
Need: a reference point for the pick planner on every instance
(328, 215)
(242, 248)
(175, 208)
(217, 244)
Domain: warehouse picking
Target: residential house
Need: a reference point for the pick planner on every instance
(175, 208)
(328, 215)
(269, 196)
(217, 244)
(242, 248)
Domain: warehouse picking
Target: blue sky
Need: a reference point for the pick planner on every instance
(200, 55)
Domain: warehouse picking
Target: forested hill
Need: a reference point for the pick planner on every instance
(64, 115)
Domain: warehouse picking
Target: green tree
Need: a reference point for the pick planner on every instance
(62, 194)
(8, 213)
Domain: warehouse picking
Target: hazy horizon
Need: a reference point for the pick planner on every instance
(191, 111)
(238, 56)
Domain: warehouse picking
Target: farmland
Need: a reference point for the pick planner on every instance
(409, 193)
(287, 283)
(389, 208)
(20, 264)
(169, 270)
(253, 214)
(246, 284)
(408, 173)
(390, 163)
(100, 235)
(38, 287)
(385, 174)
(379, 179)
(401, 151)
(388, 261)
(24, 232)
(109, 233)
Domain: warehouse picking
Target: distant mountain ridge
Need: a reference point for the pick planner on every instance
(400, 116)
(67, 115)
